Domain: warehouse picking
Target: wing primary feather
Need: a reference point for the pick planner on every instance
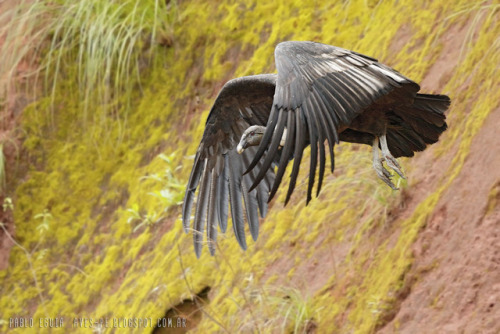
(235, 199)
(285, 153)
(330, 128)
(271, 124)
(300, 143)
(262, 194)
(262, 188)
(313, 140)
(269, 179)
(322, 111)
(223, 204)
(331, 106)
(327, 95)
(213, 201)
(272, 151)
(321, 141)
(251, 207)
(323, 101)
(201, 211)
(187, 205)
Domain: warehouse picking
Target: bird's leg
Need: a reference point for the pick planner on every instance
(382, 173)
(389, 159)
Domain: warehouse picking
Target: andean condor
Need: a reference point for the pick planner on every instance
(320, 93)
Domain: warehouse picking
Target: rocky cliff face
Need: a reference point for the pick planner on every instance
(95, 190)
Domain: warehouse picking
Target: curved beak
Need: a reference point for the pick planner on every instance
(240, 148)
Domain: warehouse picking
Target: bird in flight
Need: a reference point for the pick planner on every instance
(260, 123)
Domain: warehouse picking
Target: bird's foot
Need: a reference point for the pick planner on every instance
(383, 173)
(393, 163)
(389, 159)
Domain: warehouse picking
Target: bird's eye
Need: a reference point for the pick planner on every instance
(252, 133)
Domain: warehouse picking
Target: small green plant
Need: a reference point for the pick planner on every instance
(46, 219)
(143, 219)
(7, 204)
(172, 190)
(41, 254)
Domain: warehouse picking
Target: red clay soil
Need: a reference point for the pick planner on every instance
(457, 254)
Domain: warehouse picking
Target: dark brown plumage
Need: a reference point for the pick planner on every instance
(321, 93)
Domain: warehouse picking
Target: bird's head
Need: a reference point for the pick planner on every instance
(251, 137)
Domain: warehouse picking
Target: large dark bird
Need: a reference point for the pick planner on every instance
(321, 93)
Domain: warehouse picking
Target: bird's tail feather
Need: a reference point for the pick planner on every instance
(412, 128)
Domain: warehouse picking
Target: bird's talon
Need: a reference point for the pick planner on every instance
(387, 173)
(393, 163)
(389, 183)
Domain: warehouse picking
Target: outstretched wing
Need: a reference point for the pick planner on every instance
(320, 89)
(218, 168)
